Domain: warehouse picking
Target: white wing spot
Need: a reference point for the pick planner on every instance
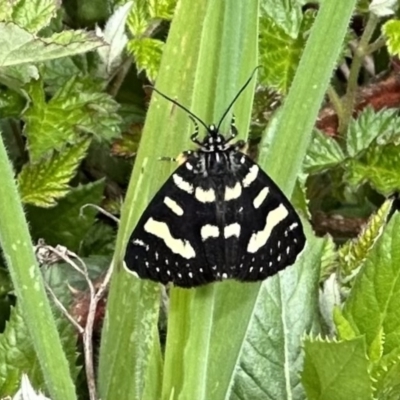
(209, 231)
(147, 264)
(138, 242)
(294, 225)
(232, 230)
(261, 197)
(189, 166)
(258, 239)
(288, 250)
(190, 275)
(270, 264)
(224, 275)
(251, 269)
(232, 193)
(205, 196)
(179, 275)
(201, 270)
(168, 272)
(261, 269)
(279, 244)
(183, 185)
(279, 258)
(177, 246)
(173, 206)
(157, 269)
(243, 160)
(251, 176)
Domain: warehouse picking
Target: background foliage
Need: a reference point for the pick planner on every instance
(73, 102)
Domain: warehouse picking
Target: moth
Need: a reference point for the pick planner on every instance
(218, 216)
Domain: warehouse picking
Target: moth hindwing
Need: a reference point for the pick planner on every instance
(218, 216)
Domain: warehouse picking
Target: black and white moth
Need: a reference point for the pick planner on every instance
(218, 216)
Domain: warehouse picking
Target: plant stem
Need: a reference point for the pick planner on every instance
(336, 102)
(359, 54)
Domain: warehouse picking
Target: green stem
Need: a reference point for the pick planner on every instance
(377, 45)
(336, 102)
(359, 54)
(28, 284)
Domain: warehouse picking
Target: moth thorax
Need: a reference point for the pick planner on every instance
(216, 162)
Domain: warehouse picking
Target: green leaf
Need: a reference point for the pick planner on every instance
(11, 103)
(353, 254)
(18, 356)
(336, 370)
(76, 107)
(373, 305)
(216, 30)
(345, 331)
(114, 35)
(368, 126)
(61, 277)
(391, 29)
(280, 52)
(63, 223)
(17, 251)
(163, 9)
(17, 46)
(34, 15)
(138, 18)
(6, 8)
(99, 240)
(43, 183)
(324, 153)
(147, 53)
(270, 364)
(56, 73)
(287, 15)
(380, 167)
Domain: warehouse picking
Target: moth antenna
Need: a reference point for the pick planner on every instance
(237, 96)
(180, 106)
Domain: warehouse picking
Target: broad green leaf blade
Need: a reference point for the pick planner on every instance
(29, 288)
(324, 153)
(61, 227)
(271, 359)
(287, 15)
(43, 183)
(147, 54)
(280, 50)
(336, 370)
(35, 14)
(18, 356)
(290, 134)
(224, 29)
(369, 126)
(18, 46)
(379, 167)
(78, 106)
(217, 44)
(373, 306)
